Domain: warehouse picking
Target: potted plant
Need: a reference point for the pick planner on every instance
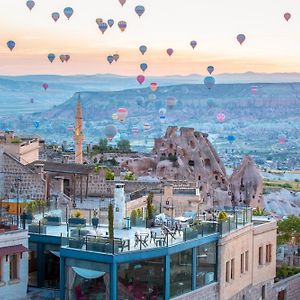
(30, 209)
(95, 220)
(53, 220)
(77, 219)
(110, 222)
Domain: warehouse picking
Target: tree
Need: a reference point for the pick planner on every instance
(109, 175)
(129, 176)
(289, 230)
(150, 208)
(133, 217)
(124, 146)
(103, 145)
(111, 221)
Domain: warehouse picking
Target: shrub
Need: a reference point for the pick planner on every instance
(109, 175)
(222, 216)
(129, 176)
(111, 221)
(78, 214)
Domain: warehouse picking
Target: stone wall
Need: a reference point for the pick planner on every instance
(32, 184)
(290, 285)
(209, 292)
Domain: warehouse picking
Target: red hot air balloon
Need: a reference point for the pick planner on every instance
(45, 86)
(67, 57)
(122, 2)
(153, 86)
(287, 16)
(170, 51)
(140, 79)
(122, 114)
(134, 130)
(221, 117)
(241, 38)
(110, 131)
(281, 140)
(254, 90)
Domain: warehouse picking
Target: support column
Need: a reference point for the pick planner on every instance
(40, 265)
(62, 273)
(167, 278)
(113, 284)
(194, 268)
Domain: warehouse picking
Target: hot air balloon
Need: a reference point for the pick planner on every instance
(162, 119)
(139, 10)
(51, 57)
(231, 138)
(68, 11)
(116, 57)
(31, 100)
(143, 49)
(114, 116)
(122, 2)
(134, 130)
(110, 131)
(122, 114)
(110, 23)
(210, 69)
(36, 124)
(122, 25)
(143, 67)
(62, 57)
(282, 140)
(11, 45)
(55, 16)
(241, 38)
(254, 90)
(110, 59)
(103, 27)
(209, 82)
(170, 51)
(147, 127)
(171, 102)
(162, 111)
(67, 57)
(30, 4)
(45, 86)
(140, 79)
(221, 117)
(99, 21)
(152, 97)
(287, 16)
(71, 128)
(153, 86)
(193, 44)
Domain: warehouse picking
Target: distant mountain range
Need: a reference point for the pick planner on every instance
(24, 94)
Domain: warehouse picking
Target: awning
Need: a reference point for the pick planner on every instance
(87, 273)
(12, 250)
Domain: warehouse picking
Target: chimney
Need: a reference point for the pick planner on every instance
(39, 169)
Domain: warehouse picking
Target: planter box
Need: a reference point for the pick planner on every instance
(97, 247)
(53, 221)
(83, 232)
(73, 222)
(76, 243)
(37, 229)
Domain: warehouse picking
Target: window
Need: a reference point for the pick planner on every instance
(227, 271)
(246, 261)
(260, 255)
(268, 253)
(263, 292)
(242, 263)
(232, 269)
(13, 267)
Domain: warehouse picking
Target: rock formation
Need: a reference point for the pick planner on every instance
(247, 184)
(140, 166)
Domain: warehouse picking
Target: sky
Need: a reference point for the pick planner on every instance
(272, 44)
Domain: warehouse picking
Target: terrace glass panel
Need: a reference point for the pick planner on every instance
(206, 264)
(141, 279)
(181, 273)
